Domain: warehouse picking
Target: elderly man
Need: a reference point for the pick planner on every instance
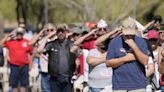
(36, 40)
(127, 55)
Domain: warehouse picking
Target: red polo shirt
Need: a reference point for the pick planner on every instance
(18, 51)
(89, 44)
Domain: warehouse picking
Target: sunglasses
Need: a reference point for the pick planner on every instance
(102, 29)
(48, 30)
(19, 33)
(75, 34)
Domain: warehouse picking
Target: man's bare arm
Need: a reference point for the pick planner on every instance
(35, 38)
(116, 62)
(77, 43)
(108, 35)
(143, 59)
(42, 45)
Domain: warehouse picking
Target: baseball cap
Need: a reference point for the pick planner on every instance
(102, 24)
(61, 30)
(92, 25)
(85, 28)
(20, 30)
(152, 34)
(129, 27)
(76, 30)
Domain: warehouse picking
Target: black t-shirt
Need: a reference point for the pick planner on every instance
(59, 57)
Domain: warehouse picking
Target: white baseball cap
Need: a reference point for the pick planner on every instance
(102, 24)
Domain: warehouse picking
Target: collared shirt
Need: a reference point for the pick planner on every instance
(18, 51)
(58, 56)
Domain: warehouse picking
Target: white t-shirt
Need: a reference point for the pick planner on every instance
(28, 35)
(43, 62)
(100, 76)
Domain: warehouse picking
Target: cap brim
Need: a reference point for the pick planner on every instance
(152, 37)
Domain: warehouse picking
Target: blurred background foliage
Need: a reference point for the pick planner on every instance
(77, 11)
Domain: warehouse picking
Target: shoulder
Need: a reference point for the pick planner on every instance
(140, 40)
(9, 42)
(69, 41)
(25, 40)
(52, 42)
(116, 40)
(93, 50)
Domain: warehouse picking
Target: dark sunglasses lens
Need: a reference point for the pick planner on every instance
(102, 29)
(49, 30)
(75, 34)
(19, 33)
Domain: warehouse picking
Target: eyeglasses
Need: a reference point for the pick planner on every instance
(48, 30)
(75, 34)
(102, 29)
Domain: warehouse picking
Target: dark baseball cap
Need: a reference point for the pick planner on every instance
(60, 30)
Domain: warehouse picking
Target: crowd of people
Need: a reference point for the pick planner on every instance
(89, 57)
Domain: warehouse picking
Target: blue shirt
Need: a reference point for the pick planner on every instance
(130, 75)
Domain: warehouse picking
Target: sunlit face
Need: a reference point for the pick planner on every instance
(153, 43)
(157, 25)
(19, 36)
(161, 35)
(49, 29)
(101, 31)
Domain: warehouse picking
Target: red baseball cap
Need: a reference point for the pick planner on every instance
(153, 34)
(92, 25)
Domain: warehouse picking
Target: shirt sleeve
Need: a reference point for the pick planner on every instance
(110, 51)
(144, 48)
(7, 44)
(31, 49)
(47, 48)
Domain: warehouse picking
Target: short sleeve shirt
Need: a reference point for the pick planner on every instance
(18, 51)
(55, 53)
(130, 75)
(99, 74)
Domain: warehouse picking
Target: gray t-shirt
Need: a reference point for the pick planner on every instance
(100, 75)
